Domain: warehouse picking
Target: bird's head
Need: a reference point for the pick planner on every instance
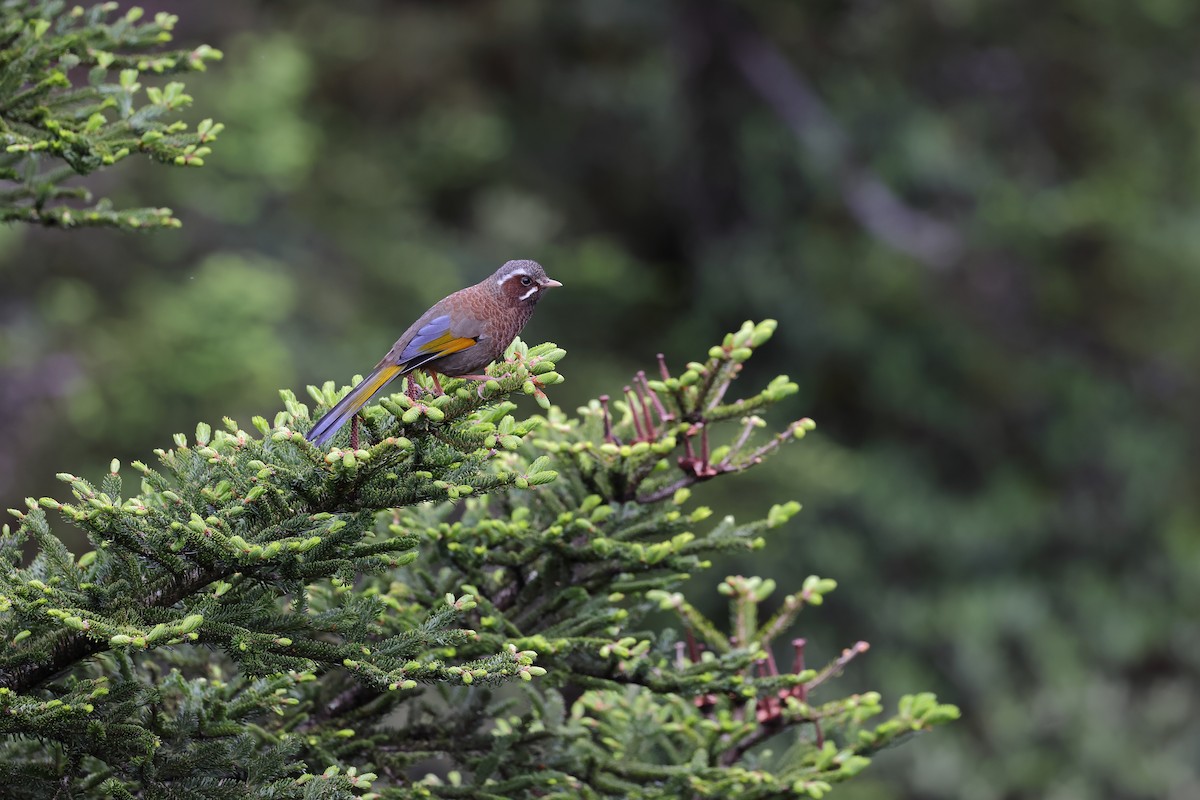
(521, 283)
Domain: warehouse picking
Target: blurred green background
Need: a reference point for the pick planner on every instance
(976, 222)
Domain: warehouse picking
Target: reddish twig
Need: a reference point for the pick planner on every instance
(608, 427)
(639, 434)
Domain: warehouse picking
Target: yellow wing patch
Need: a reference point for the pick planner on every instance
(448, 343)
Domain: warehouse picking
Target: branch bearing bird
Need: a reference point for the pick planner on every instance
(459, 336)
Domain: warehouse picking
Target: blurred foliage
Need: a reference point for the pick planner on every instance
(1005, 473)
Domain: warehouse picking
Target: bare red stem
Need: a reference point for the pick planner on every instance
(639, 384)
(633, 412)
(608, 433)
(663, 414)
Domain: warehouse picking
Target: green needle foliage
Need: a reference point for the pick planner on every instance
(462, 604)
(72, 102)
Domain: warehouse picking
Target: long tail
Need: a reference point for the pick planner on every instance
(349, 405)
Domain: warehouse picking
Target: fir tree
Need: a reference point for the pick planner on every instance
(458, 607)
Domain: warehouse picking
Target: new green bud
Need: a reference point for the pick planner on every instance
(762, 332)
(779, 514)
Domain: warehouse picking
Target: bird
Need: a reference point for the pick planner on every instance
(458, 337)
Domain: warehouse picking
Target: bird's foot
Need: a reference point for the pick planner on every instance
(437, 387)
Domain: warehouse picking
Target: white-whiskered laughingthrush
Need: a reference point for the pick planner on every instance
(458, 337)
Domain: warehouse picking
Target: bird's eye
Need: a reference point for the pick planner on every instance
(525, 280)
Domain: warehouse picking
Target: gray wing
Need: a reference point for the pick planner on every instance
(437, 338)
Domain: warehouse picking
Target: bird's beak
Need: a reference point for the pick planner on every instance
(550, 283)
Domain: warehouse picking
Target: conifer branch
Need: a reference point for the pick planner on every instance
(52, 129)
(260, 598)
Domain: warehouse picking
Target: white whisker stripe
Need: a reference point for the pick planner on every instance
(532, 291)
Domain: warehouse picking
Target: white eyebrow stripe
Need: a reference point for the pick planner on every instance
(518, 273)
(532, 290)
